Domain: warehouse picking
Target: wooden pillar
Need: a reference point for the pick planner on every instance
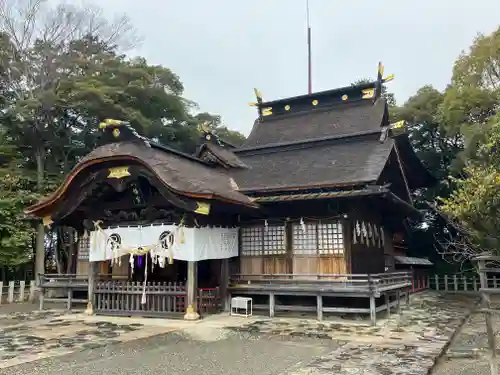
(373, 311)
(485, 302)
(398, 297)
(192, 276)
(92, 271)
(387, 305)
(319, 307)
(272, 305)
(224, 280)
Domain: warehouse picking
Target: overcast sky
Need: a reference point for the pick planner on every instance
(222, 49)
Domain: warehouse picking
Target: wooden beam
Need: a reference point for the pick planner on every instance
(403, 175)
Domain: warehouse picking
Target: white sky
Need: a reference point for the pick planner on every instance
(222, 49)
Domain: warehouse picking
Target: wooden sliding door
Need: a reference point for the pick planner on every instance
(318, 248)
(263, 250)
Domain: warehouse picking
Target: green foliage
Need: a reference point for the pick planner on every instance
(16, 192)
(480, 66)
(54, 92)
(475, 203)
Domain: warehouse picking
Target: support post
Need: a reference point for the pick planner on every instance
(92, 279)
(271, 305)
(373, 311)
(485, 299)
(10, 296)
(387, 305)
(22, 287)
(398, 306)
(319, 306)
(32, 295)
(192, 276)
(70, 297)
(224, 281)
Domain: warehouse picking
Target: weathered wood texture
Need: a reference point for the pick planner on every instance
(124, 298)
(390, 286)
(162, 299)
(66, 283)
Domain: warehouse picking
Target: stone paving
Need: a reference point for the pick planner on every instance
(402, 344)
(467, 353)
(29, 336)
(406, 344)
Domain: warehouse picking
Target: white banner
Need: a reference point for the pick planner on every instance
(189, 244)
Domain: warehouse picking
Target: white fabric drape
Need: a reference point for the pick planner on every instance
(189, 244)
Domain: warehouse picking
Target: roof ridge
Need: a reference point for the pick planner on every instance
(321, 93)
(320, 109)
(172, 150)
(310, 141)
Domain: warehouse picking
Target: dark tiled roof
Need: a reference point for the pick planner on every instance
(342, 119)
(184, 174)
(224, 155)
(322, 195)
(338, 162)
(412, 261)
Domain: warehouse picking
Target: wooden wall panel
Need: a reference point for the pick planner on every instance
(318, 265)
(331, 265)
(275, 265)
(303, 264)
(121, 271)
(82, 267)
(251, 265)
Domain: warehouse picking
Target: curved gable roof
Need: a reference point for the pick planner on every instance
(184, 175)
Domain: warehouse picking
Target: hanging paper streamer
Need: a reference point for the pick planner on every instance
(163, 241)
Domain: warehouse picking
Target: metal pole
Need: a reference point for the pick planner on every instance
(309, 61)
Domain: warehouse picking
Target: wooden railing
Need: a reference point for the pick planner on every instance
(162, 299)
(65, 283)
(334, 282)
(124, 298)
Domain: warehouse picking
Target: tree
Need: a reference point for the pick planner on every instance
(480, 66)
(33, 32)
(214, 122)
(475, 204)
(16, 191)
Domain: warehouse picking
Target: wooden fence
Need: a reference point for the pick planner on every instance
(454, 283)
(17, 291)
(162, 299)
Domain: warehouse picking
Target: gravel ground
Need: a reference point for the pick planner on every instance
(173, 353)
(464, 367)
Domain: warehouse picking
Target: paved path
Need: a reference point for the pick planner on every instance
(467, 353)
(75, 344)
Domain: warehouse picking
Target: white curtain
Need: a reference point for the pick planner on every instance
(189, 244)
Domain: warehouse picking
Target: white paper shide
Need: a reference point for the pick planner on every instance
(163, 242)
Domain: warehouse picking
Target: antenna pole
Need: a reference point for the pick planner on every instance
(309, 62)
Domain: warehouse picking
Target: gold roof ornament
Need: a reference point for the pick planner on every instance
(110, 122)
(118, 172)
(368, 93)
(47, 221)
(203, 208)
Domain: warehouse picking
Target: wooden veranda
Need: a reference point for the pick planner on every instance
(387, 286)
